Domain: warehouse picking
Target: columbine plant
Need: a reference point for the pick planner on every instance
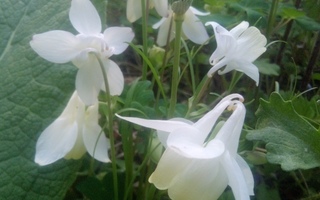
(61, 47)
(134, 8)
(192, 28)
(73, 133)
(192, 167)
(237, 49)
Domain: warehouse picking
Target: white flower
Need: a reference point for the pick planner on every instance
(134, 11)
(73, 133)
(192, 28)
(237, 49)
(61, 47)
(193, 168)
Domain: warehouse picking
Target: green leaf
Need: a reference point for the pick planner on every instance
(33, 92)
(308, 23)
(290, 140)
(267, 68)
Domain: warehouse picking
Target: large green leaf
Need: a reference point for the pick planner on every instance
(290, 140)
(33, 92)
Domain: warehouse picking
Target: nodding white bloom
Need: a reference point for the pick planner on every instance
(73, 133)
(193, 167)
(59, 46)
(192, 28)
(134, 9)
(237, 49)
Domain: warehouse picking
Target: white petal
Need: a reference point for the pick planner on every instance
(243, 66)
(239, 29)
(163, 32)
(169, 166)
(198, 12)
(206, 123)
(84, 17)
(94, 138)
(246, 173)
(56, 141)
(185, 142)
(56, 46)
(163, 136)
(230, 132)
(162, 125)
(134, 10)
(118, 38)
(201, 179)
(159, 23)
(78, 149)
(251, 44)
(236, 178)
(115, 77)
(194, 29)
(226, 43)
(89, 80)
(162, 7)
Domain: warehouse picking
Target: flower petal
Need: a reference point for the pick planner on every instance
(163, 32)
(94, 138)
(162, 125)
(118, 38)
(56, 141)
(239, 29)
(230, 132)
(167, 170)
(161, 7)
(194, 29)
(225, 42)
(243, 66)
(84, 17)
(163, 136)
(201, 179)
(185, 142)
(251, 44)
(56, 46)
(134, 10)
(115, 77)
(89, 80)
(198, 12)
(236, 178)
(247, 173)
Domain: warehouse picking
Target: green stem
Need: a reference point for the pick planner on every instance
(272, 17)
(202, 87)
(175, 70)
(144, 4)
(110, 128)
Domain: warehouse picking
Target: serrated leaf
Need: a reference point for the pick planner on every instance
(290, 140)
(33, 92)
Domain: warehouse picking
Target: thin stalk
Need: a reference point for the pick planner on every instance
(144, 4)
(272, 17)
(110, 128)
(202, 87)
(175, 70)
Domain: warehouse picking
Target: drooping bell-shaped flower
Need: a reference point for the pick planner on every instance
(134, 9)
(59, 46)
(192, 28)
(73, 133)
(237, 49)
(193, 167)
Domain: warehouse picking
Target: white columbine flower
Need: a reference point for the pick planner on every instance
(134, 11)
(61, 47)
(193, 168)
(237, 49)
(73, 133)
(192, 28)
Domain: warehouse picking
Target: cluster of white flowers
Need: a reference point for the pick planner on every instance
(190, 157)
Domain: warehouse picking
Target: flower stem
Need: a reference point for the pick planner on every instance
(272, 16)
(178, 18)
(110, 128)
(144, 6)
